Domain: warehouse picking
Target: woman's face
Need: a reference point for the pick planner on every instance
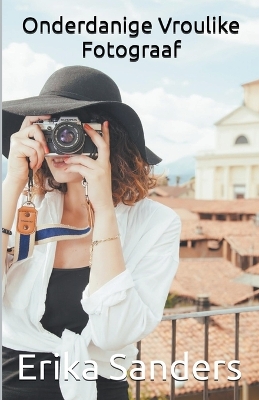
(57, 167)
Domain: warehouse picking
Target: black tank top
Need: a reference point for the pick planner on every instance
(63, 309)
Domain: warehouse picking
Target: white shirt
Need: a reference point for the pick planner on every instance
(121, 312)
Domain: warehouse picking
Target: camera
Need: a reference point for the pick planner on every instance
(66, 136)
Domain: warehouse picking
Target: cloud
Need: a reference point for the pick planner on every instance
(24, 71)
(176, 126)
(249, 3)
(85, 9)
(248, 34)
(168, 81)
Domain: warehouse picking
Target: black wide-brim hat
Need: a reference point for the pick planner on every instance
(72, 88)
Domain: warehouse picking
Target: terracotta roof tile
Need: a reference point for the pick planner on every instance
(245, 245)
(254, 295)
(157, 191)
(190, 338)
(172, 191)
(186, 214)
(217, 229)
(253, 270)
(238, 206)
(211, 276)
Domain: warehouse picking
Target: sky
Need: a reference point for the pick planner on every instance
(178, 99)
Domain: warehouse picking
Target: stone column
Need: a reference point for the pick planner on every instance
(248, 194)
(226, 184)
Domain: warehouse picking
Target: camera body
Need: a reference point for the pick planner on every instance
(66, 136)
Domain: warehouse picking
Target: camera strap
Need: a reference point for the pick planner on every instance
(29, 234)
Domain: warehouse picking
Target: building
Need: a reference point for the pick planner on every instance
(221, 282)
(222, 210)
(190, 338)
(183, 191)
(231, 171)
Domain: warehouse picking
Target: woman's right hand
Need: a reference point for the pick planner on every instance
(22, 146)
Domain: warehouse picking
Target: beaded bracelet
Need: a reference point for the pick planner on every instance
(7, 231)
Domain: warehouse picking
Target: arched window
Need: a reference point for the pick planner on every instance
(241, 140)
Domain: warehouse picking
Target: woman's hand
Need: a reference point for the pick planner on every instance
(22, 147)
(96, 172)
(107, 257)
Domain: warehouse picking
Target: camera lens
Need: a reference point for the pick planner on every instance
(68, 138)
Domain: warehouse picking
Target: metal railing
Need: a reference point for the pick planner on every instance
(206, 315)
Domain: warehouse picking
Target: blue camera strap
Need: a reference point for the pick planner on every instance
(29, 234)
(24, 243)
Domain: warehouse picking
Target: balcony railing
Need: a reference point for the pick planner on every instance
(206, 315)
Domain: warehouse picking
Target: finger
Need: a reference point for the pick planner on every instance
(34, 132)
(29, 120)
(37, 147)
(106, 132)
(81, 159)
(80, 169)
(31, 153)
(30, 148)
(99, 141)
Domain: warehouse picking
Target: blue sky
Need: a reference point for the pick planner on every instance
(178, 100)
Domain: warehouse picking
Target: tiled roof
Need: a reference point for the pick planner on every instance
(217, 229)
(253, 270)
(253, 296)
(165, 191)
(211, 276)
(190, 338)
(158, 191)
(245, 245)
(186, 214)
(238, 206)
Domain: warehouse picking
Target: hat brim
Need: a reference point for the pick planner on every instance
(14, 112)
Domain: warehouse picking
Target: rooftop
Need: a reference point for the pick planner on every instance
(211, 276)
(238, 206)
(166, 191)
(219, 230)
(245, 244)
(190, 338)
(253, 270)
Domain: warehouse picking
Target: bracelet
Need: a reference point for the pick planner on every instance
(7, 231)
(96, 242)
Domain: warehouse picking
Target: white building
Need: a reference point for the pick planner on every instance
(232, 170)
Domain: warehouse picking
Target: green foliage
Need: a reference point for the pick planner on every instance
(174, 300)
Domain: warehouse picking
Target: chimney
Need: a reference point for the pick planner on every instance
(202, 304)
(256, 219)
(199, 230)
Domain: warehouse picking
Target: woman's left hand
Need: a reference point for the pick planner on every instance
(96, 172)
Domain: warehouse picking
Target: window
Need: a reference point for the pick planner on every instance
(241, 140)
(221, 217)
(239, 191)
(205, 216)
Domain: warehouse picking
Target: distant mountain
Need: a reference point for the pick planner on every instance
(183, 167)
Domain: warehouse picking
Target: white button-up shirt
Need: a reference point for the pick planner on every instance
(121, 312)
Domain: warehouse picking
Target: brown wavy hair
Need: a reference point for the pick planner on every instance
(132, 176)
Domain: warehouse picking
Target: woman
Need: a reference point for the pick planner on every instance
(56, 313)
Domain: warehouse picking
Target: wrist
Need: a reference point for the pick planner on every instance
(102, 209)
(13, 186)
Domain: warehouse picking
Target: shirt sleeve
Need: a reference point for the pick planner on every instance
(129, 306)
(8, 260)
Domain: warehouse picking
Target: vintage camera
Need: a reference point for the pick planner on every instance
(66, 136)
